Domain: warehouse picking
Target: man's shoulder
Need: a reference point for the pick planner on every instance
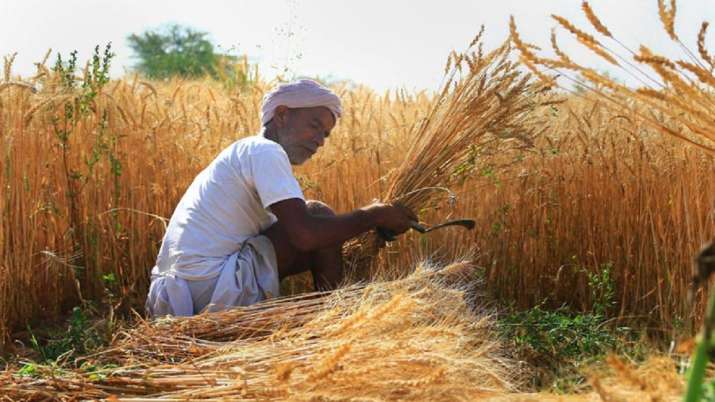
(251, 146)
(246, 151)
(257, 143)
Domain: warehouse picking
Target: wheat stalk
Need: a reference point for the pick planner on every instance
(492, 96)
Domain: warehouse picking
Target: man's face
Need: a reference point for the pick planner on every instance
(302, 131)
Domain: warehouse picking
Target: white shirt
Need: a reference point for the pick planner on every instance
(225, 205)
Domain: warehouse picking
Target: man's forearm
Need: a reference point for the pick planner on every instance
(308, 231)
(324, 231)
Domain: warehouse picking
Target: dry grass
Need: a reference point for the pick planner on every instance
(411, 339)
(654, 380)
(415, 338)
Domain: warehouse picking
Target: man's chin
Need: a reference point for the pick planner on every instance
(299, 161)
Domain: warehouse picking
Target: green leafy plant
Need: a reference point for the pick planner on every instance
(77, 338)
(557, 334)
(558, 341)
(65, 122)
(98, 372)
(28, 370)
(697, 386)
(602, 288)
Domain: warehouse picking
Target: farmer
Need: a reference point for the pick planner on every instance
(243, 224)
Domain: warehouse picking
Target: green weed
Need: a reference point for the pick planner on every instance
(558, 342)
(28, 370)
(79, 337)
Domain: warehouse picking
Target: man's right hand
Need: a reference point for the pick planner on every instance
(394, 217)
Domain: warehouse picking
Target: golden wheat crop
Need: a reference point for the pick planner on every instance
(571, 187)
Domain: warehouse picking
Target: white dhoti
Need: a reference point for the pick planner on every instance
(247, 277)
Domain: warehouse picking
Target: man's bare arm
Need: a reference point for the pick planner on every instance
(307, 232)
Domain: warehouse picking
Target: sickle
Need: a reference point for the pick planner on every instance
(387, 235)
(465, 223)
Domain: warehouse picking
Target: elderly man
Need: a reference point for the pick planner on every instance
(243, 224)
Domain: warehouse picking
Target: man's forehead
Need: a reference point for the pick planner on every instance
(320, 113)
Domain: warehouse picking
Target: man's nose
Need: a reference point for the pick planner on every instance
(319, 139)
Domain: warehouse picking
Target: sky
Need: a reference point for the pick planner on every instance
(384, 44)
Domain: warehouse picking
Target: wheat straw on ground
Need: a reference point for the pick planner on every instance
(414, 338)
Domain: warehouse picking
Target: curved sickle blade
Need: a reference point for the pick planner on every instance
(465, 223)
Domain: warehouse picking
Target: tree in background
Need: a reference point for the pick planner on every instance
(175, 51)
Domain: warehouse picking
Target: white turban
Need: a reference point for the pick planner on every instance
(299, 94)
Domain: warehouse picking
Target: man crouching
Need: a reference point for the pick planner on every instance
(243, 224)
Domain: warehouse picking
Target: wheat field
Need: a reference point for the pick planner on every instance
(563, 183)
(591, 189)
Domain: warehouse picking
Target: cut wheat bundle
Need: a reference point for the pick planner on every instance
(181, 338)
(406, 339)
(485, 100)
(176, 339)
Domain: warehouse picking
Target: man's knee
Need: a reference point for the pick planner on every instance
(319, 208)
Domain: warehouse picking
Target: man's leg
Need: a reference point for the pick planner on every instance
(326, 265)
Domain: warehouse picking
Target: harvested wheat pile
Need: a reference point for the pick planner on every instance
(414, 338)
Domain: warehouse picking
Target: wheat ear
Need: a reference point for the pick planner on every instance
(667, 17)
(585, 39)
(593, 19)
(701, 45)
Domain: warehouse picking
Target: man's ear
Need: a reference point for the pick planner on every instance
(280, 116)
